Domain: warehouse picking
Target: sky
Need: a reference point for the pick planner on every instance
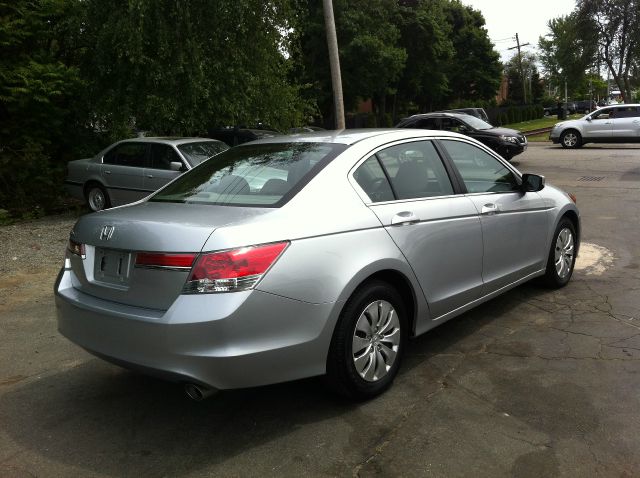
(526, 17)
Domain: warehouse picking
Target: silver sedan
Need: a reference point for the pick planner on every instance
(317, 254)
(131, 169)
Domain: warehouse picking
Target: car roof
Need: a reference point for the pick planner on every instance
(352, 136)
(174, 140)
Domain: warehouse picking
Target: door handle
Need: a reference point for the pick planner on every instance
(107, 172)
(404, 218)
(489, 209)
(150, 176)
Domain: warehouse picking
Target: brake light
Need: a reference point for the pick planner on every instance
(76, 248)
(232, 271)
(159, 260)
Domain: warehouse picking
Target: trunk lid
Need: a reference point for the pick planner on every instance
(113, 238)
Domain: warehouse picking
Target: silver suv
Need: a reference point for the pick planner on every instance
(611, 124)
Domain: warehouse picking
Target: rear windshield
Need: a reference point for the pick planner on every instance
(266, 175)
(196, 153)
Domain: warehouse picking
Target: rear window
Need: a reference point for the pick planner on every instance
(196, 153)
(260, 175)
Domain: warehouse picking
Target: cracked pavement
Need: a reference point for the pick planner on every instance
(533, 383)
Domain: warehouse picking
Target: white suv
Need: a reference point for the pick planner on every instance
(611, 124)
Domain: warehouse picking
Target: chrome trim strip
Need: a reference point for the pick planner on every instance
(167, 268)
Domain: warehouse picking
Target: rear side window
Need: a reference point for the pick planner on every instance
(201, 151)
(257, 175)
(481, 172)
(415, 170)
(626, 112)
(371, 178)
(127, 154)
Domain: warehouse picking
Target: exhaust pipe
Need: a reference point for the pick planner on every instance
(198, 392)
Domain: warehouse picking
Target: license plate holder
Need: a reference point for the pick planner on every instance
(112, 266)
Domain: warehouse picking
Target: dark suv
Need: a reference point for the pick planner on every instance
(506, 142)
(586, 106)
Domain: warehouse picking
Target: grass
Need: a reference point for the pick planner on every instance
(545, 122)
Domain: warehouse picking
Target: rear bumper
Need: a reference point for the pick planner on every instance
(75, 189)
(224, 341)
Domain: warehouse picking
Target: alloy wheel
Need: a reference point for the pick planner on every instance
(376, 340)
(564, 253)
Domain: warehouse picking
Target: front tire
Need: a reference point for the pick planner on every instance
(368, 342)
(570, 139)
(562, 255)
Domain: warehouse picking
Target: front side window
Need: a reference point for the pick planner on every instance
(415, 170)
(602, 114)
(127, 154)
(162, 155)
(257, 175)
(481, 172)
(198, 152)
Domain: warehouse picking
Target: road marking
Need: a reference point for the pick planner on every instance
(593, 259)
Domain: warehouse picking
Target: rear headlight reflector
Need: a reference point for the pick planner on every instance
(160, 260)
(234, 270)
(76, 248)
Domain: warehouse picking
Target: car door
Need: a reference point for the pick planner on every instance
(626, 123)
(599, 124)
(437, 230)
(159, 171)
(122, 171)
(515, 224)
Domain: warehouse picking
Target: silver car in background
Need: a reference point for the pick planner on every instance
(610, 124)
(131, 169)
(317, 254)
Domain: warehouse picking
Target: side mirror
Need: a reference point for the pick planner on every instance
(175, 166)
(588, 118)
(532, 182)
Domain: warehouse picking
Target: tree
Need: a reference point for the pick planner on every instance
(532, 82)
(425, 36)
(568, 50)
(371, 60)
(475, 70)
(617, 26)
(39, 81)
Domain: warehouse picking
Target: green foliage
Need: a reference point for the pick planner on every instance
(531, 87)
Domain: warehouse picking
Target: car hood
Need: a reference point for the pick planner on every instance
(500, 131)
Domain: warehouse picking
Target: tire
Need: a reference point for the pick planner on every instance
(97, 197)
(367, 372)
(562, 255)
(570, 139)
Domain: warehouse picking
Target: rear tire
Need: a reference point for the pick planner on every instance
(97, 197)
(570, 139)
(562, 255)
(368, 342)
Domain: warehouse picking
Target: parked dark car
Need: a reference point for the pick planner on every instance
(236, 136)
(505, 141)
(553, 110)
(477, 112)
(586, 106)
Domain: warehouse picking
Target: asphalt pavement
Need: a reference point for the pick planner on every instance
(535, 383)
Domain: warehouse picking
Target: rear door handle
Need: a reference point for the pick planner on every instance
(489, 209)
(404, 218)
(107, 172)
(150, 176)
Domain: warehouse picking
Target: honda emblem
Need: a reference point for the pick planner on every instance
(106, 232)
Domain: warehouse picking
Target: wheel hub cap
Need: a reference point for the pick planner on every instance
(376, 339)
(564, 253)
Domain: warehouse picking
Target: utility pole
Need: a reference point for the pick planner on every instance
(334, 62)
(524, 81)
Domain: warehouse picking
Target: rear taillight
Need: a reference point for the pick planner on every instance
(232, 271)
(159, 260)
(76, 248)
